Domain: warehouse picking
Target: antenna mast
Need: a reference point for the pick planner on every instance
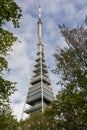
(39, 12)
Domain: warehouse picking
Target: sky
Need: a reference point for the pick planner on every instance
(21, 59)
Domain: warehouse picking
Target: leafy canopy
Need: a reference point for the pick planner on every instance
(9, 12)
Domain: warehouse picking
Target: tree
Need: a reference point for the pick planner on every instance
(7, 120)
(9, 12)
(70, 110)
(38, 121)
(34, 122)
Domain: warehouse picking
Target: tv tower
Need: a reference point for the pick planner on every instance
(40, 93)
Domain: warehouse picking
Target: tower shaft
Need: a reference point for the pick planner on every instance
(39, 25)
(39, 30)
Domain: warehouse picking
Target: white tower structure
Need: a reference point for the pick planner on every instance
(40, 93)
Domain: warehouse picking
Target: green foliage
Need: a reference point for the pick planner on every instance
(70, 110)
(6, 89)
(6, 41)
(7, 120)
(9, 12)
(33, 122)
(38, 121)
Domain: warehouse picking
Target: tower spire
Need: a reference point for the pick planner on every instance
(39, 25)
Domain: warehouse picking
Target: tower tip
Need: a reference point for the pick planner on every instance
(39, 11)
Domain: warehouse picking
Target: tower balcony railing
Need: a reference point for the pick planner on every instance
(38, 85)
(39, 64)
(33, 97)
(45, 86)
(35, 86)
(34, 108)
(48, 92)
(38, 95)
(37, 60)
(34, 79)
(47, 96)
(44, 70)
(34, 91)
